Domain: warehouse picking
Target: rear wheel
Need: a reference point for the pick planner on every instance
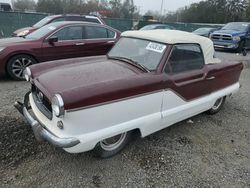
(17, 64)
(113, 145)
(217, 106)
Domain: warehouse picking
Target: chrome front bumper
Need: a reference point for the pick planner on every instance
(41, 134)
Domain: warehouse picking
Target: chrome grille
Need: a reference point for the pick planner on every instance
(222, 37)
(42, 102)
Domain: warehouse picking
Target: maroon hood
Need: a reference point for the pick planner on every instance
(89, 81)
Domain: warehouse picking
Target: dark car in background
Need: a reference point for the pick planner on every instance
(233, 36)
(57, 18)
(59, 40)
(5, 7)
(204, 31)
(157, 26)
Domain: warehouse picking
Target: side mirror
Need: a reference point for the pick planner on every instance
(53, 39)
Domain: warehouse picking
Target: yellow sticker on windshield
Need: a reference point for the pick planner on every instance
(156, 47)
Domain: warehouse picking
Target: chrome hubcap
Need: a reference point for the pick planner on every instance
(217, 104)
(113, 143)
(19, 65)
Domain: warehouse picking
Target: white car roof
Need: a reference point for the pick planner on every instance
(177, 37)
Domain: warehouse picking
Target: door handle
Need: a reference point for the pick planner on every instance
(109, 42)
(210, 78)
(80, 44)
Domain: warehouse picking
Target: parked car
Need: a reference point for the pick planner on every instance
(205, 31)
(5, 7)
(156, 26)
(147, 82)
(56, 18)
(234, 36)
(59, 40)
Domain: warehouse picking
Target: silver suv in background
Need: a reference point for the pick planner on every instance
(56, 18)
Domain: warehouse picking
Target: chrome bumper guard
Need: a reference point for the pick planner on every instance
(41, 134)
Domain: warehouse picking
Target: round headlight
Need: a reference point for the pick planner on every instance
(58, 105)
(27, 74)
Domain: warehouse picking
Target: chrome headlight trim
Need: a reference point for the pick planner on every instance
(58, 105)
(27, 74)
(23, 33)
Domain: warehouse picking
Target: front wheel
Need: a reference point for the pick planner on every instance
(217, 106)
(113, 145)
(17, 64)
(240, 47)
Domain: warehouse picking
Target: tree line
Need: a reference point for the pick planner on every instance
(206, 11)
(109, 8)
(212, 11)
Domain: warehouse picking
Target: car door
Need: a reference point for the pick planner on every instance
(98, 40)
(69, 44)
(186, 84)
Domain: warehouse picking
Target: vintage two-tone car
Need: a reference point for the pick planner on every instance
(147, 82)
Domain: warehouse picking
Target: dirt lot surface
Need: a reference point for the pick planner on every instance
(206, 151)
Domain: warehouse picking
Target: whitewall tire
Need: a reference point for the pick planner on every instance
(217, 106)
(111, 146)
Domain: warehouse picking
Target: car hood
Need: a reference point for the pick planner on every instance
(89, 81)
(12, 41)
(230, 32)
(23, 29)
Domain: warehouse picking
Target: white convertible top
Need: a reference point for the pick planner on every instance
(177, 37)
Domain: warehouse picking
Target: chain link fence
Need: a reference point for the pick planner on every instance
(11, 21)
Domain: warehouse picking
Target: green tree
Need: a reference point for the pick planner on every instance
(54, 7)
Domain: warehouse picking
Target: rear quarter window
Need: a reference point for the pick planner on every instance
(95, 32)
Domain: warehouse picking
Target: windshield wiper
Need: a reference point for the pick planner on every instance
(130, 61)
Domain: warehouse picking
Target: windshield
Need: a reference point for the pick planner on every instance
(146, 53)
(43, 31)
(236, 26)
(151, 27)
(147, 27)
(202, 30)
(42, 22)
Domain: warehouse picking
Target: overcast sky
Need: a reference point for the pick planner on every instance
(168, 5)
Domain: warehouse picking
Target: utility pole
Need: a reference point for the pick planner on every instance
(161, 9)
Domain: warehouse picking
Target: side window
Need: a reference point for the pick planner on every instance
(185, 57)
(58, 19)
(94, 32)
(69, 33)
(111, 34)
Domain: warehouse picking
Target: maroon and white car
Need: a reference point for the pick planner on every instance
(147, 82)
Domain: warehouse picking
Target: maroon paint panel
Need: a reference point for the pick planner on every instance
(91, 81)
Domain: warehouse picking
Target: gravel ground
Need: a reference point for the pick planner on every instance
(206, 151)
